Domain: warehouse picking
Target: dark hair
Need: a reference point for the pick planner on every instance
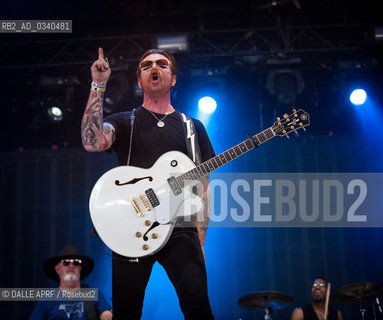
(167, 54)
(320, 277)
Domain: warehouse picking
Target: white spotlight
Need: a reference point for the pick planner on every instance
(207, 104)
(55, 113)
(358, 97)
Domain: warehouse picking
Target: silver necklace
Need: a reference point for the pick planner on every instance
(160, 122)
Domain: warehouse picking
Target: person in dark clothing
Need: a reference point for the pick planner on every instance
(157, 128)
(316, 310)
(69, 268)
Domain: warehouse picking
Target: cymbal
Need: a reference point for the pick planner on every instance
(358, 292)
(265, 299)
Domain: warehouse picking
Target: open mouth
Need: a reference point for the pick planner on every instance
(155, 76)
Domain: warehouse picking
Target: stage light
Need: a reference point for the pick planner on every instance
(172, 43)
(358, 97)
(207, 105)
(285, 84)
(55, 113)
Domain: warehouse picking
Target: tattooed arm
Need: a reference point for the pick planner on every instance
(203, 220)
(96, 135)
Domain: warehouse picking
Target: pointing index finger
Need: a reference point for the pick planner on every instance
(100, 53)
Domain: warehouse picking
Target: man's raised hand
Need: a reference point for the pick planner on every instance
(100, 69)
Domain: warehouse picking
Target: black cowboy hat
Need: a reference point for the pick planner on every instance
(68, 252)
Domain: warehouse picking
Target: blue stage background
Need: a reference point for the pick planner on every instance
(44, 205)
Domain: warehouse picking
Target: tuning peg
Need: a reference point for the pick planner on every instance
(294, 111)
(301, 125)
(285, 133)
(278, 119)
(285, 115)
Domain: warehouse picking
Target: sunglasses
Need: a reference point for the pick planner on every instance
(147, 64)
(76, 262)
(319, 285)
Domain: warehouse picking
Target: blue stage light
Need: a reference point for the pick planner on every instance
(358, 97)
(207, 105)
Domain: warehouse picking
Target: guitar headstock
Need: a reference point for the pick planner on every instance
(298, 119)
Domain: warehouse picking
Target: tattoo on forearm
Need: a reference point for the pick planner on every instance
(89, 137)
(96, 121)
(92, 122)
(206, 216)
(105, 144)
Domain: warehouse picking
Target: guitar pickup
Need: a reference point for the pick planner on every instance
(152, 198)
(174, 186)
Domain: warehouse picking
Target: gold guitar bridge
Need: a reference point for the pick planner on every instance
(144, 202)
(135, 206)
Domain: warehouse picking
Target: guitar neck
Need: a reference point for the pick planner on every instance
(216, 162)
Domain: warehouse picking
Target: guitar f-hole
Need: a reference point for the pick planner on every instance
(155, 224)
(133, 181)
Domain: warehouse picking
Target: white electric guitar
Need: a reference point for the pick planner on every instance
(134, 210)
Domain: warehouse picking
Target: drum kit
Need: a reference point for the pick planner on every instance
(361, 293)
(358, 293)
(267, 301)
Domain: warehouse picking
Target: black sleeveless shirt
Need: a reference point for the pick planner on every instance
(309, 313)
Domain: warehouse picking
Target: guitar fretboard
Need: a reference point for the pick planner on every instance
(216, 162)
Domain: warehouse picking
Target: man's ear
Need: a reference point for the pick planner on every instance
(57, 268)
(174, 80)
(139, 82)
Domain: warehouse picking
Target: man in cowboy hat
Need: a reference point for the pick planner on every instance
(69, 268)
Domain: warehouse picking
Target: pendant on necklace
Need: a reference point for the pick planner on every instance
(160, 123)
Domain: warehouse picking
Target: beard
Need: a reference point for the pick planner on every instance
(318, 300)
(318, 297)
(71, 277)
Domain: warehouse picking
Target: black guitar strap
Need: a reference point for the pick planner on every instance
(192, 144)
(132, 117)
(89, 306)
(191, 138)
